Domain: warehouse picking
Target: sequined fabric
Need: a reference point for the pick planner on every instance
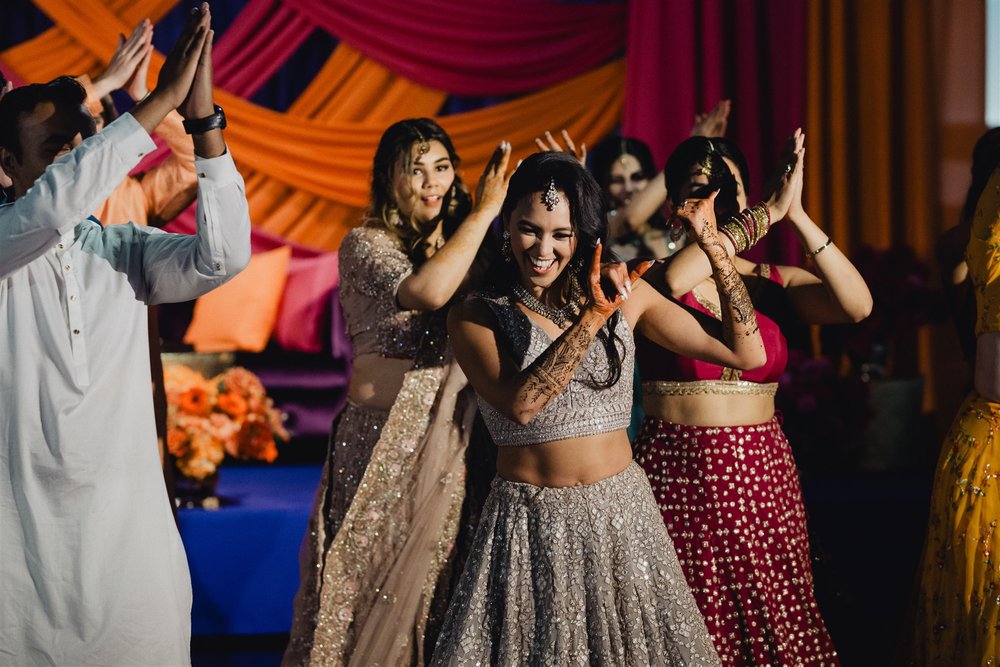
(957, 619)
(732, 503)
(358, 429)
(582, 575)
(388, 509)
(582, 408)
(372, 265)
(958, 606)
(384, 563)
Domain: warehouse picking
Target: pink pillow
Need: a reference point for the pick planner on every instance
(304, 316)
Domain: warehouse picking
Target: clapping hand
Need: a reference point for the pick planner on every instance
(786, 184)
(549, 143)
(128, 56)
(493, 183)
(714, 122)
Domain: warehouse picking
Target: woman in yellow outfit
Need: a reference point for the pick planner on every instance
(958, 606)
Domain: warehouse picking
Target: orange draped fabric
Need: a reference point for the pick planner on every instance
(58, 51)
(308, 169)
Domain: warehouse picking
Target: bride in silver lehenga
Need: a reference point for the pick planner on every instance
(572, 563)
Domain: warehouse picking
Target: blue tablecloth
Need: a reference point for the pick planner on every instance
(244, 556)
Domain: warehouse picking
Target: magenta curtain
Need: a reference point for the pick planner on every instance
(685, 55)
(263, 36)
(475, 47)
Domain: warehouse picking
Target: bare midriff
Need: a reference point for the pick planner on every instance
(987, 372)
(570, 462)
(376, 380)
(709, 409)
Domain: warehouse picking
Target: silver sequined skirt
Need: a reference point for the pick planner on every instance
(575, 575)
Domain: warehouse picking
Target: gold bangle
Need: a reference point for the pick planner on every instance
(821, 248)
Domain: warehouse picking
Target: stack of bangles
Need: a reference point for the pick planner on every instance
(747, 227)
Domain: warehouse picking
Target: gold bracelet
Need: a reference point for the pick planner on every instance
(821, 248)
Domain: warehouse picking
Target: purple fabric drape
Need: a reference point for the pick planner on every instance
(685, 55)
(475, 47)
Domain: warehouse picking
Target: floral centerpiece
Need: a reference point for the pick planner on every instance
(209, 418)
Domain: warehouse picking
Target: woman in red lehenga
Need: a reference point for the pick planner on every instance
(711, 444)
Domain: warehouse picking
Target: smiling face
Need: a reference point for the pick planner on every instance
(542, 242)
(419, 187)
(626, 178)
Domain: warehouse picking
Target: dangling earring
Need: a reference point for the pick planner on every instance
(452, 202)
(676, 230)
(508, 254)
(393, 217)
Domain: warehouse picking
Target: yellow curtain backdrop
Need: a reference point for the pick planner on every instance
(872, 168)
(308, 169)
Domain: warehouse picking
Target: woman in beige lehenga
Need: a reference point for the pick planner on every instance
(388, 505)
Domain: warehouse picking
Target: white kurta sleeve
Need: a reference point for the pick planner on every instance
(68, 190)
(180, 267)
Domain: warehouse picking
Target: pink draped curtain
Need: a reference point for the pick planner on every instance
(685, 55)
(475, 47)
(263, 36)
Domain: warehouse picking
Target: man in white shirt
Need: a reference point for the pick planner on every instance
(92, 569)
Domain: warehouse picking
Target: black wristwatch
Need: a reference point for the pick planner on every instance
(217, 121)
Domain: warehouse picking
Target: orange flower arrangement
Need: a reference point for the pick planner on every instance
(228, 414)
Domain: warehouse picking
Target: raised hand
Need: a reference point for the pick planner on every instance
(699, 216)
(795, 210)
(178, 71)
(599, 301)
(781, 188)
(550, 144)
(714, 122)
(136, 85)
(493, 183)
(199, 101)
(128, 55)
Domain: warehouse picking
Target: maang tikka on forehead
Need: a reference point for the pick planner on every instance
(422, 145)
(550, 197)
(706, 166)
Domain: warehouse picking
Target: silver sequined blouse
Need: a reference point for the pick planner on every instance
(579, 410)
(372, 265)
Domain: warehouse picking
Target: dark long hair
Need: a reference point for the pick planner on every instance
(586, 212)
(985, 157)
(604, 154)
(708, 153)
(394, 154)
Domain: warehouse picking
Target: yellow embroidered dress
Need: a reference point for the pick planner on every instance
(958, 606)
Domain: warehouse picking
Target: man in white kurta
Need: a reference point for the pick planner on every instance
(92, 569)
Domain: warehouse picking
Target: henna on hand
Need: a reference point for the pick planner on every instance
(739, 318)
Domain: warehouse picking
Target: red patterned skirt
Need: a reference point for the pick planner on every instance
(732, 502)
